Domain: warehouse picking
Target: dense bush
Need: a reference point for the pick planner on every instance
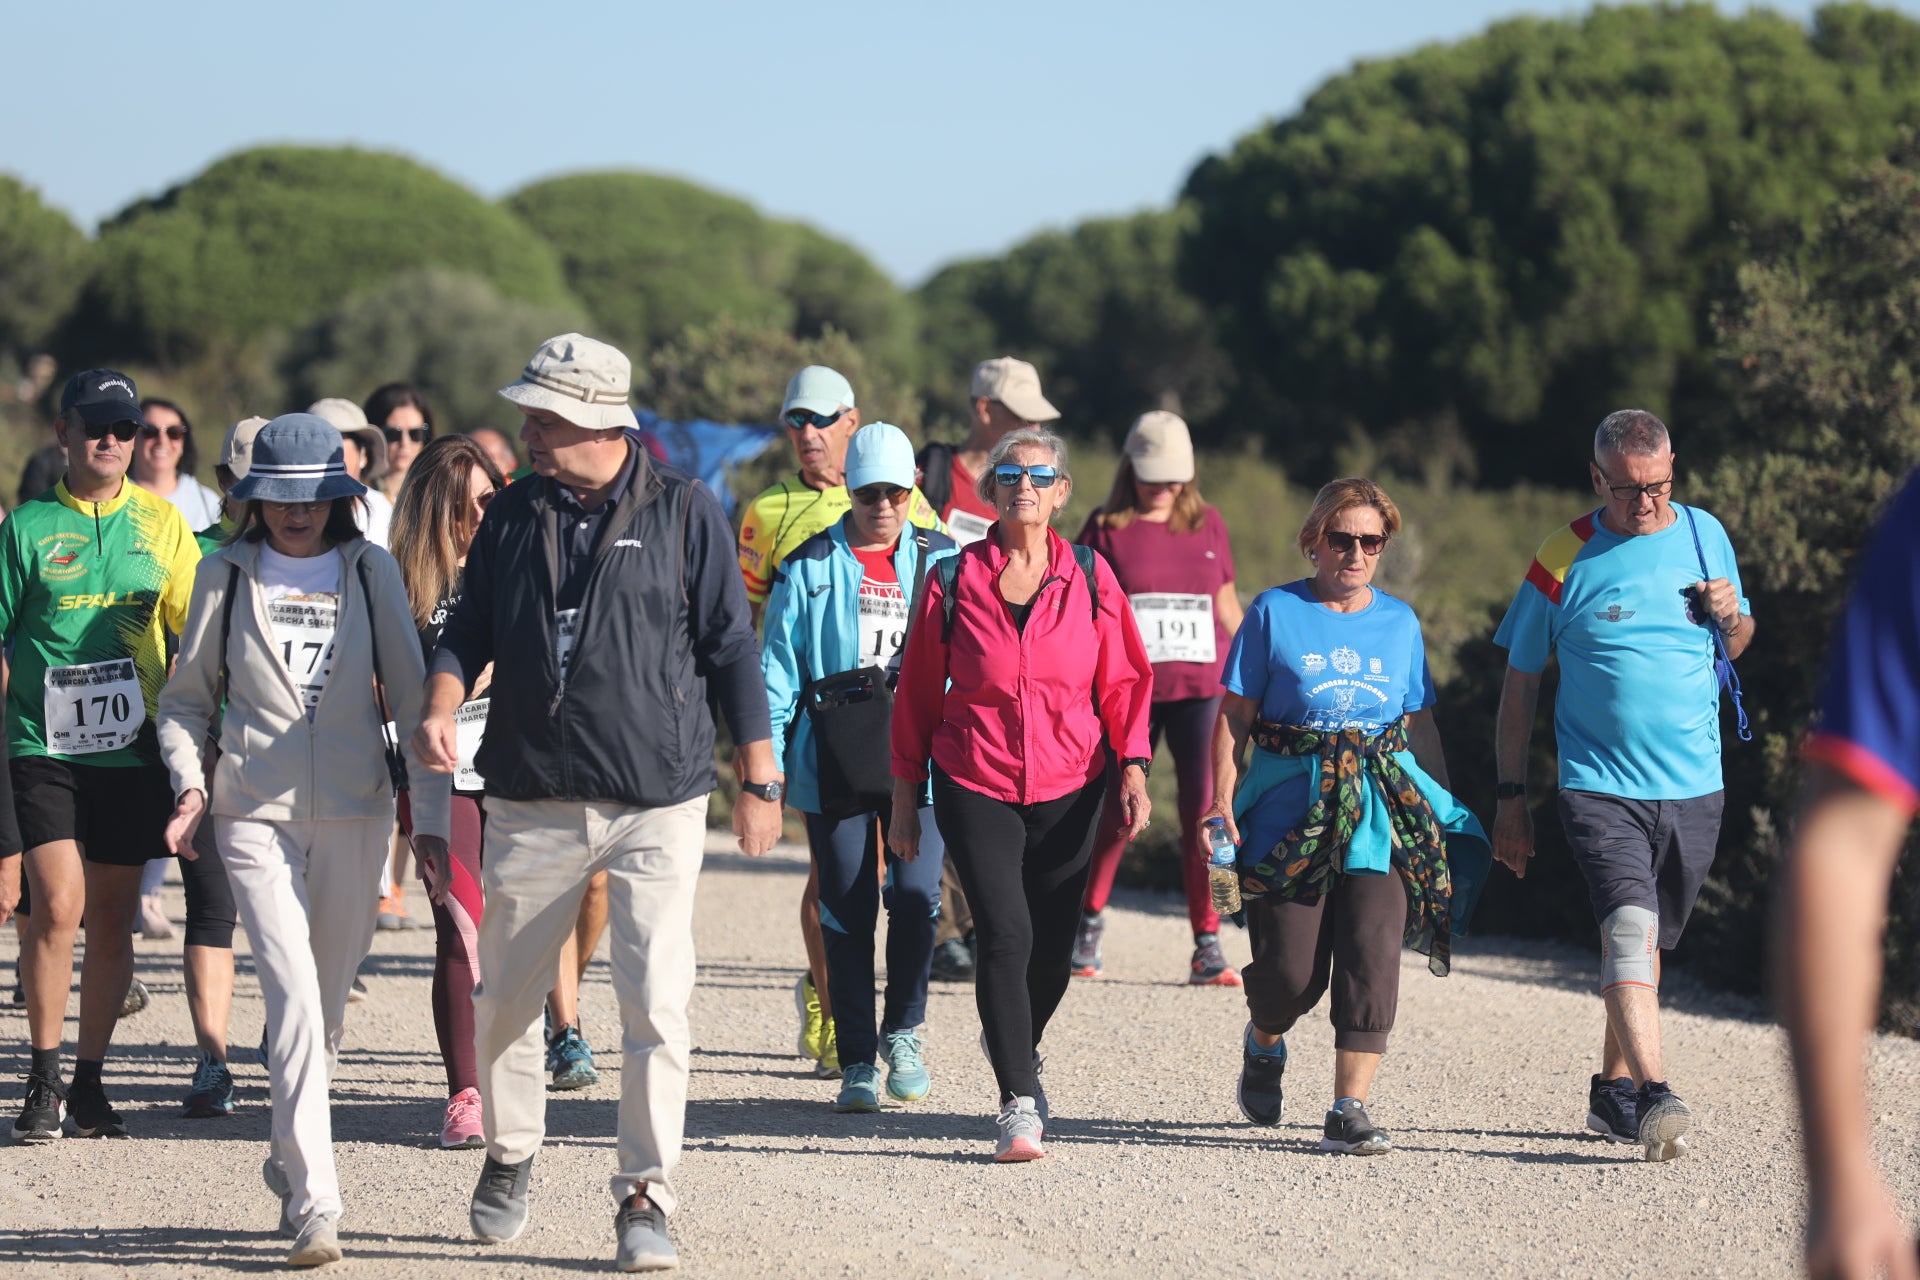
(43, 264)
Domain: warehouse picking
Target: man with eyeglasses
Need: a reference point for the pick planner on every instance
(93, 572)
(1004, 396)
(1625, 596)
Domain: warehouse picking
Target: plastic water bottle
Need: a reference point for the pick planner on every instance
(1223, 867)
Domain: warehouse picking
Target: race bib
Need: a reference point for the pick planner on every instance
(303, 629)
(469, 725)
(883, 625)
(967, 527)
(565, 621)
(1177, 628)
(95, 707)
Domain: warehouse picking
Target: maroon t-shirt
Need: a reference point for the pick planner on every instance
(1171, 569)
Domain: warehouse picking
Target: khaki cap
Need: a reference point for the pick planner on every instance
(350, 420)
(236, 451)
(1160, 448)
(1015, 384)
(582, 379)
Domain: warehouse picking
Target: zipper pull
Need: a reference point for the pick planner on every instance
(553, 708)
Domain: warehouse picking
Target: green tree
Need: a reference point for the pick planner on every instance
(266, 240)
(43, 264)
(1475, 250)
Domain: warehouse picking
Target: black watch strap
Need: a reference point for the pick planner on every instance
(1509, 790)
(1145, 763)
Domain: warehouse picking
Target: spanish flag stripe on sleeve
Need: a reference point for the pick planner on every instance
(1548, 572)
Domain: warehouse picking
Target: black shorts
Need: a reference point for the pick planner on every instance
(1643, 853)
(119, 815)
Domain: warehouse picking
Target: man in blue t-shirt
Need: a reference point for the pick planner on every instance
(1862, 793)
(1624, 596)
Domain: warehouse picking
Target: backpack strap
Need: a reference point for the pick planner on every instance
(1085, 555)
(936, 474)
(949, 573)
(226, 626)
(1728, 678)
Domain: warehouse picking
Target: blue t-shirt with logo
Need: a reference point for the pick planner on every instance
(1638, 711)
(1305, 664)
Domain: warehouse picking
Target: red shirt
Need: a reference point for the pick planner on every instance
(1018, 721)
(975, 515)
(882, 615)
(1152, 560)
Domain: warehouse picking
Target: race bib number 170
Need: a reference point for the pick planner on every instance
(95, 707)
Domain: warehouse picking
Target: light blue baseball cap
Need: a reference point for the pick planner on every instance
(880, 453)
(818, 389)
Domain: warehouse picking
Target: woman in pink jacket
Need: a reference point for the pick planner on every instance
(1022, 666)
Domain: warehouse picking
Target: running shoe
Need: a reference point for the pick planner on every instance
(1210, 967)
(318, 1242)
(859, 1088)
(907, 1077)
(153, 918)
(498, 1211)
(211, 1093)
(1262, 1101)
(40, 1116)
(1349, 1132)
(358, 991)
(1665, 1122)
(137, 999)
(828, 1067)
(276, 1179)
(1086, 944)
(952, 962)
(641, 1239)
(570, 1062)
(806, 1001)
(1613, 1109)
(1039, 1085)
(1020, 1131)
(90, 1115)
(462, 1126)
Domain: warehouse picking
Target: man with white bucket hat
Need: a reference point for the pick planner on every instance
(604, 591)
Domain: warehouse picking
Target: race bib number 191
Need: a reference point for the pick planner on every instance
(1176, 628)
(95, 707)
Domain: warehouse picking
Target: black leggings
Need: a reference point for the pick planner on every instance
(1024, 868)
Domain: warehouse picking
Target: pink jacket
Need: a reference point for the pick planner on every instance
(1011, 714)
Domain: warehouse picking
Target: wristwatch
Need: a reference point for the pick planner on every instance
(1145, 763)
(768, 791)
(1509, 790)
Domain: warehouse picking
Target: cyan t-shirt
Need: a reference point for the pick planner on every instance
(1638, 712)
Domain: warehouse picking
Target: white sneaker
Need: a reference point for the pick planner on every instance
(317, 1244)
(1020, 1132)
(153, 918)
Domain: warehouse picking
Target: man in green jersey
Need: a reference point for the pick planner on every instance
(92, 574)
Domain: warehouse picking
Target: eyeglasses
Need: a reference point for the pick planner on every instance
(1341, 543)
(485, 500)
(150, 432)
(1632, 492)
(395, 435)
(288, 508)
(801, 419)
(1007, 475)
(123, 430)
(875, 494)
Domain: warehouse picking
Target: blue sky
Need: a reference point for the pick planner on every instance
(921, 133)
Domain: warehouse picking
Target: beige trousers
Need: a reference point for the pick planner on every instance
(540, 855)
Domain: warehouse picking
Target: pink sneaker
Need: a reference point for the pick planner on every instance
(462, 1128)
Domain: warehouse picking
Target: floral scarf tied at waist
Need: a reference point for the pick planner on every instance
(1304, 864)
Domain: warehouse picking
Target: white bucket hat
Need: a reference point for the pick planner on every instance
(579, 378)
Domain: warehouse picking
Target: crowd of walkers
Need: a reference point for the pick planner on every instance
(376, 648)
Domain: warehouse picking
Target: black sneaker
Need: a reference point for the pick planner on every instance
(89, 1115)
(952, 962)
(1350, 1133)
(40, 1117)
(1261, 1100)
(1086, 944)
(1665, 1122)
(1613, 1109)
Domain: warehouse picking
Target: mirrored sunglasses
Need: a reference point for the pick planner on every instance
(1007, 475)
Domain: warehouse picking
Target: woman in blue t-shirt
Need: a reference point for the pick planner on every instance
(1343, 819)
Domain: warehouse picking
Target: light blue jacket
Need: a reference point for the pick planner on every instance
(811, 630)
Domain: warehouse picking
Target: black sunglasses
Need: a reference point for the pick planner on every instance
(1370, 543)
(1632, 492)
(801, 419)
(150, 432)
(416, 434)
(123, 430)
(874, 494)
(1007, 475)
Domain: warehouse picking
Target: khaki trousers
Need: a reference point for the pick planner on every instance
(540, 855)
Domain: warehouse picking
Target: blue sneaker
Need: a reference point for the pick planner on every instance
(211, 1093)
(570, 1062)
(907, 1077)
(859, 1088)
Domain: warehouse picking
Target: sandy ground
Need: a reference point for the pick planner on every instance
(1151, 1170)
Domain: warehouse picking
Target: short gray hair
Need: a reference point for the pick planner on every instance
(1633, 432)
(1032, 438)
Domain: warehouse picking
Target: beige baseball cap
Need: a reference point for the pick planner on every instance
(582, 379)
(349, 419)
(1015, 384)
(1160, 448)
(236, 451)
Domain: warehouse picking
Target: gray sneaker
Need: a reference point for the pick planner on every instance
(641, 1232)
(1039, 1085)
(499, 1209)
(1665, 1122)
(318, 1242)
(1020, 1132)
(1086, 961)
(276, 1179)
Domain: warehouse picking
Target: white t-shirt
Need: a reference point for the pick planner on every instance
(303, 607)
(376, 518)
(199, 504)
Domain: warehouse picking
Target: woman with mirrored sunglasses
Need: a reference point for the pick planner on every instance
(1023, 668)
(835, 625)
(1344, 823)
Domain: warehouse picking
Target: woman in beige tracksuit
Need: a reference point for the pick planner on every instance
(304, 795)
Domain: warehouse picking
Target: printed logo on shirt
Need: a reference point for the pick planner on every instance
(1313, 662)
(1346, 661)
(60, 556)
(1613, 613)
(1373, 665)
(627, 542)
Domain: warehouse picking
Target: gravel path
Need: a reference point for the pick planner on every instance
(1151, 1171)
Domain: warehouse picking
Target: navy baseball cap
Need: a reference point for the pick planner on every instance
(101, 396)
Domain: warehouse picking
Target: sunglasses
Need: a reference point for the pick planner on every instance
(1341, 543)
(395, 435)
(150, 432)
(875, 494)
(1007, 475)
(123, 430)
(801, 419)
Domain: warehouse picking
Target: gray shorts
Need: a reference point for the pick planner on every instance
(1643, 853)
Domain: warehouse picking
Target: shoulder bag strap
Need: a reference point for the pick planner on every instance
(396, 763)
